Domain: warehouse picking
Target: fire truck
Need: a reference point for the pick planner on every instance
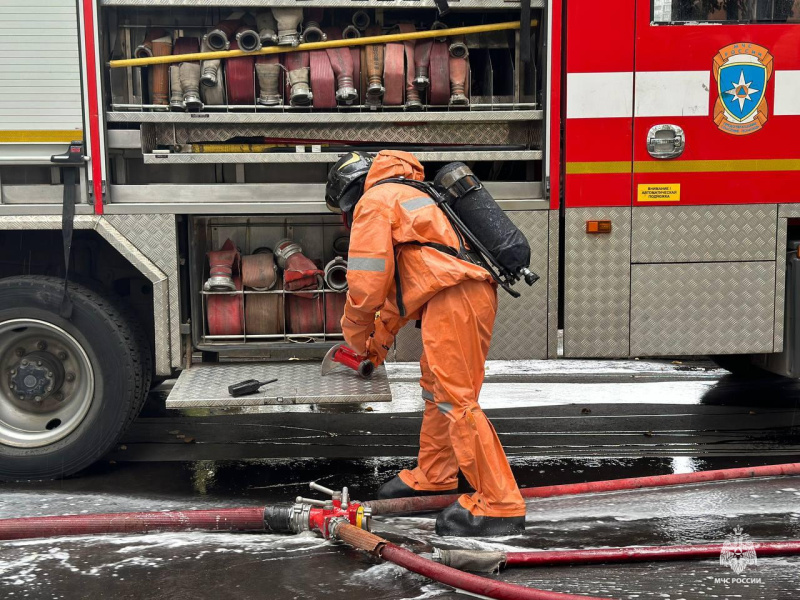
(642, 146)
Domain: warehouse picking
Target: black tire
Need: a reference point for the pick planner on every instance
(120, 357)
(740, 365)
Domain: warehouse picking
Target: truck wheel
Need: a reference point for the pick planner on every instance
(740, 365)
(68, 388)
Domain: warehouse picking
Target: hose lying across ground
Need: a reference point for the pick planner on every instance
(399, 506)
(492, 561)
(255, 519)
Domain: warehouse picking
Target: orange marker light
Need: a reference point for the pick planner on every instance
(598, 226)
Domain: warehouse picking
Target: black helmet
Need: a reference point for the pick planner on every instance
(346, 181)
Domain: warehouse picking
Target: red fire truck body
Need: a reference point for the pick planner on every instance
(645, 149)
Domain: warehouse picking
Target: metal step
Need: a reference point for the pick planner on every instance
(299, 382)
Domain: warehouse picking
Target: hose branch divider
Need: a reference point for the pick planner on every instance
(398, 506)
(473, 584)
(344, 43)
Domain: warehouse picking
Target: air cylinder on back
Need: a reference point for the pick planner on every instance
(484, 217)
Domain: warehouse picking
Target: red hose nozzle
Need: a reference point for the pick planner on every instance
(343, 355)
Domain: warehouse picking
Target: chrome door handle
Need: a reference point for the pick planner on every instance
(665, 141)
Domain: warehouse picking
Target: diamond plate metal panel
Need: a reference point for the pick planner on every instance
(299, 382)
(780, 284)
(330, 157)
(287, 115)
(702, 308)
(154, 235)
(132, 253)
(552, 285)
(597, 284)
(664, 234)
(789, 211)
(520, 330)
(525, 133)
(521, 327)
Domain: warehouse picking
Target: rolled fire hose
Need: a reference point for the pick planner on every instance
(145, 49)
(351, 32)
(438, 26)
(336, 274)
(439, 75)
(214, 95)
(259, 271)
(373, 62)
(268, 71)
(248, 39)
(322, 80)
(458, 47)
(482, 561)
(304, 315)
(225, 312)
(432, 503)
(312, 32)
(209, 72)
(185, 78)
(159, 74)
(422, 63)
(334, 311)
(240, 78)
(355, 56)
(362, 41)
(298, 78)
(299, 272)
(459, 73)
(223, 264)
(267, 28)
(341, 60)
(263, 313)
(394, 80)
(289, 20)
(220, 37)
(413, 101)
(361, 20)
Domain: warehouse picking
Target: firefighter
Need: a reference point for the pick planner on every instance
(400, 269)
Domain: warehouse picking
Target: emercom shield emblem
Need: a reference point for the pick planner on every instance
(742, 72)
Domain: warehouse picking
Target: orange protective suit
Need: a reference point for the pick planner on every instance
(456, 302)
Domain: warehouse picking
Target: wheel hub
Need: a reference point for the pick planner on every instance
(46, 383)
(36, 376)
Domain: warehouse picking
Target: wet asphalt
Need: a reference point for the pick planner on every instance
(561, 422)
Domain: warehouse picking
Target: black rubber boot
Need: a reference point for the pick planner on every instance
(455, 520)
(395, 488)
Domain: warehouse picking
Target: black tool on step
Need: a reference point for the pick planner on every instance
(248, 386)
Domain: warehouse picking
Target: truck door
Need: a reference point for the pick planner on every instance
(598, 177)
(715, 107)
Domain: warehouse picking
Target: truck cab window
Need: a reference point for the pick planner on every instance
(666, 12)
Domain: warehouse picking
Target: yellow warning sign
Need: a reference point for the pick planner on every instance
(659, 192)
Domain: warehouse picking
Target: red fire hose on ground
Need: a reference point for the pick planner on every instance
(348, 521)
(400, 506)
(493, 561)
